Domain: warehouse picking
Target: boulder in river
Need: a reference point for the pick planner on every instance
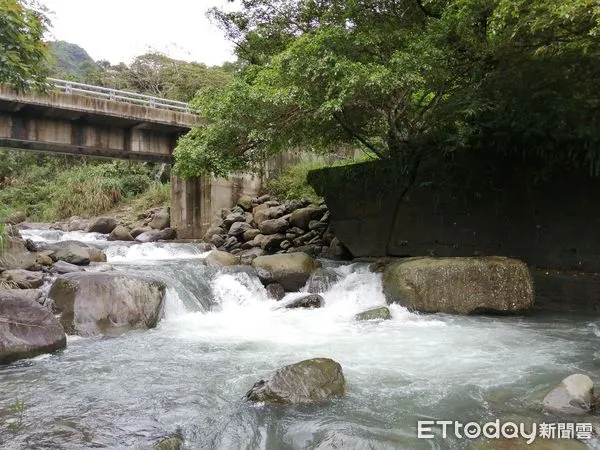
(309, 381)
(99, 303)
(61, 267)
(306, 301)
(156, 235)
(291, 270)
(469, 285)
(102, 225)
(217, 258)
(573, 396)
(275, 291)
(120, 233)
(172, 443)
(27, 329)
(161, 220)
(14, 253)
(321, 280)
(379, 313)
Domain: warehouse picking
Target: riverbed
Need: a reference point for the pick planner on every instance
(220, 333)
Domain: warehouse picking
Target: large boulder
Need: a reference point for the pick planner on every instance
(217, 258)
(23, 279)
(573, 396)
(14, 253)
(379, 313)
(291, 270)
(27, 329)
(321, 280)
(156, 235)
(61, 267)
(239, 228)
(265, 212)
(72, 253)
(100, 303)
(309, 381)
(301, 217)
(102, 225)
(470, 285)
(270, 243)
(161, 220)
(245, 202)
(120, 233)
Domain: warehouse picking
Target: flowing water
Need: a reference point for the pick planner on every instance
(221, 333)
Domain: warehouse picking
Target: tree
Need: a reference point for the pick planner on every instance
(403, 78)
(22, 49)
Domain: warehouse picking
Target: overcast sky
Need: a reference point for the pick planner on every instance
(118, 30)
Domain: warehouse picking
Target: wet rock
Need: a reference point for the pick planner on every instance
(264, 212)
(291, 270)
(381, 313)
(23, 279)
(315, 225)
(239, 228)
(139, 230)
(102, 225)
(13, 252)
(156, 235)
(96, 255)
(214, 230)
(233, 218)
(275, 291)
(99, 303)
(273, 226)
(44, 259)
(250, 234)
(469, 285)
(72, 253)
(573, 396)
(161, 220)
(247, 256)
(337, 251)
(216, 240)
(245, 202)
(120, 233)
(307, 301)
(301, 217)
(61, 267)
(321, 280)
(217, 258)
(32, 294)
(77, 224)
(272, 242)
(230, 243)
(172, 443)
(27, 329)
(308, 381)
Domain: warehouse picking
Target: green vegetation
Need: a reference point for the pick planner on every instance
(22, 50)
(291, 182)
(404, 80)
(70, 61)
(48, 188)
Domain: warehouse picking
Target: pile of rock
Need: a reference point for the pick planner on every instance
(262, 225)
(150, 226)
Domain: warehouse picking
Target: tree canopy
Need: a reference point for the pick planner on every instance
(22, 49)
(402, 77)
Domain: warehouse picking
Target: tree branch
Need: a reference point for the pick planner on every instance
(358, 137)
(426, 11)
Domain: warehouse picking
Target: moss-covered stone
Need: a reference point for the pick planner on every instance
(308, 381)
(381, 313)
(469, 285)
(291, 270)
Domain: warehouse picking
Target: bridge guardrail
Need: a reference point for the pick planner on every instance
(118, 95)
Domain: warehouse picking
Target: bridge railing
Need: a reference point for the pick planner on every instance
(73, 87)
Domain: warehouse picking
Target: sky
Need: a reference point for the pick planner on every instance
(119, 30)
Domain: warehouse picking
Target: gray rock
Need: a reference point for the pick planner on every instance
(233, 218)
(307, 301)
(291, 270)
(239, 228)
(275, 291)
(469, 285)
(27, 329)
(23, 279)
(172, 443)
(156, 235)
(273, 226)
(77, 224)
(250, 234)
(573, 396)
(216, 240)
(245, 202)
(285, 245)
(139, 230)
(380, 313)
(247, 256)
(311, 250)
(102, 225)
(13, 252)
(337, 251)
(120, 233)
(315, 225)
(308, 381)
(214, 230)
(217, 258)
(32, 294)
(99, 303)
(263, 198)
(305, 238)
(264, 212)
(231, 243)
(161, 220)
(302, 217)
(272, 242)
(321, 280)
(61, 267)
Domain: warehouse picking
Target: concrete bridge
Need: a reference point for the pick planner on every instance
(78, 119)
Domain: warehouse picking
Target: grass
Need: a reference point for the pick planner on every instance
(51, 188)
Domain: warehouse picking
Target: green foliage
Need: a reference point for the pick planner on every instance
(22, 50)
(70, 61)
(49, 188)
(395, 78)
(291, 183)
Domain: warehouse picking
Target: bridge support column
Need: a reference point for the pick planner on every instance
(191, 209)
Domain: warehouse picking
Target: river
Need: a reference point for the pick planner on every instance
(220, 333)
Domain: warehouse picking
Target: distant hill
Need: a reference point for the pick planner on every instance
(70, 60)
